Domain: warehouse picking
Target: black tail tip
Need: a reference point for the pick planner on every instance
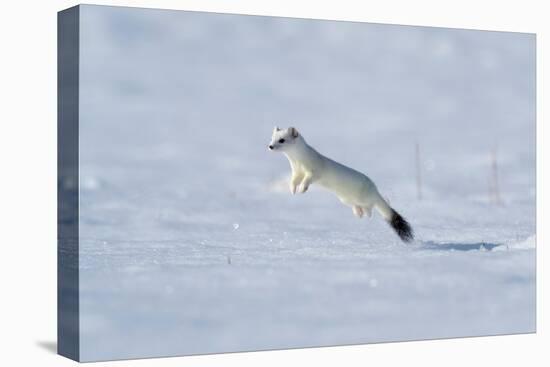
(401, 227)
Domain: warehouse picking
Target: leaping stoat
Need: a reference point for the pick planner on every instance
(352, 187)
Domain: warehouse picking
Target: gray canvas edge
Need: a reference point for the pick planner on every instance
(68, 343)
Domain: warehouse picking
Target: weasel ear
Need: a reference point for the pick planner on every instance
(293, 132)
(276, 128)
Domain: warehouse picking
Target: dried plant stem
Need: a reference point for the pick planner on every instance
(418, 172)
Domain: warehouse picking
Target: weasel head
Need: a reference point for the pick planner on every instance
(284, 139)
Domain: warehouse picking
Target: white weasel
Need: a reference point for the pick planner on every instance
(352, 187)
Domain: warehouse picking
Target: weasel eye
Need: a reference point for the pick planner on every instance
(281, 141)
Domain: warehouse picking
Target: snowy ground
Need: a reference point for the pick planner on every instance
(190, 240)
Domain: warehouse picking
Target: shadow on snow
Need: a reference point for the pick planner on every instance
(431, 245)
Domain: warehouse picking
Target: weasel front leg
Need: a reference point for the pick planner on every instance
(306, 181)
(296, 178)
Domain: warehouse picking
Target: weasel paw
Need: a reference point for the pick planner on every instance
(303, 188)
(293, 189)
(358, 211)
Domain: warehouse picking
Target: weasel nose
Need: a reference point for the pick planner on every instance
(270, 147)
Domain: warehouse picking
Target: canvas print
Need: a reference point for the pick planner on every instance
(238, 183)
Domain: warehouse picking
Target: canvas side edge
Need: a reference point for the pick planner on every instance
(68, 316)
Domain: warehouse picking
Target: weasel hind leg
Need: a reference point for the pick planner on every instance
(368, 210)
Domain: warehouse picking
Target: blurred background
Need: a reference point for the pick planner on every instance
(190, 240)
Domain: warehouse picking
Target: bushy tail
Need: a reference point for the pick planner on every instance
(395, 220)
(401, 227)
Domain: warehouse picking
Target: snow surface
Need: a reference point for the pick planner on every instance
(190, 241)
